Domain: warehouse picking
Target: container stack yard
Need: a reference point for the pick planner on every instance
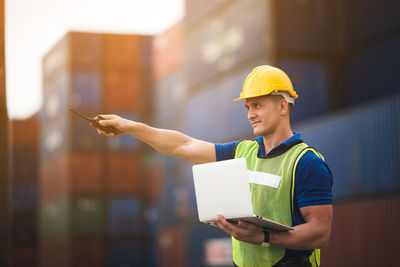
(80, 199)
(25, 190)
(92, 195)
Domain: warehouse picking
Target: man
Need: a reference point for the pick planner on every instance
(303, 198)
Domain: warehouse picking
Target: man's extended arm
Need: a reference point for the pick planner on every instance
(169, 142)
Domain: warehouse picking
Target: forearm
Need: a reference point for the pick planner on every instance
(173, 143)
(303, 237)
(164, 141)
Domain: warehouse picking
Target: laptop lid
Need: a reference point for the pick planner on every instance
(222, 188)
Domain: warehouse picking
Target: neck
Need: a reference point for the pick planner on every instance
(277, 137)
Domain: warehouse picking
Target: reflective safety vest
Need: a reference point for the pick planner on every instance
(272, 183)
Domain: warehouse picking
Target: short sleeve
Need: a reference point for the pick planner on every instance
(313, 181)
(225, 151)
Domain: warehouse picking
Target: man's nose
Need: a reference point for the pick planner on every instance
(250, 114)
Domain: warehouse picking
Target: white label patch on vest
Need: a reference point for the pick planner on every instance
(264, 178)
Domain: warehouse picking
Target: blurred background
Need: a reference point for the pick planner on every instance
(72, 198)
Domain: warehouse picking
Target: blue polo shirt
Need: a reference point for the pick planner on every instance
(314, 180)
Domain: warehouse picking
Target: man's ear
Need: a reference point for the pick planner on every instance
(283, 106)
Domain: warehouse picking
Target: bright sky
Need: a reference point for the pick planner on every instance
(33, 27)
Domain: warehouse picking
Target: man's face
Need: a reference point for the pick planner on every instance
(263, 114)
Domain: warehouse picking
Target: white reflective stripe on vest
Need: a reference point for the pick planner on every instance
(263, 178)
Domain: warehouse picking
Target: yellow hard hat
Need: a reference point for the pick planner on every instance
(267, 80)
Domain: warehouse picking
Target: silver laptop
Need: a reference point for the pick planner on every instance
(223, 188)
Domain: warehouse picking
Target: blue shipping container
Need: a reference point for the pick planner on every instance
(373, 72)
(361, 147)
(199, 253)
(126, 253)
(310, 80)
(211, 114)
(173, 207)
(125, 217)
(86, 89)
(24, 196)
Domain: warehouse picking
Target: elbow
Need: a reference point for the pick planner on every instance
(322, 240)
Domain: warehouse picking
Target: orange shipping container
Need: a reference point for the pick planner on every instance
(24, 256)
(76, 252)
(25, 133)
(54, 178)
(124, 89)
(124, 176)
(168, 51)
(86, 174)
(76, 174)
(153, 183)
(364, 233)
(85, 49)
(173, 245)
(121, 51)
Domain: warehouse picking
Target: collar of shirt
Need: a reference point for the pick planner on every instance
(279, 149)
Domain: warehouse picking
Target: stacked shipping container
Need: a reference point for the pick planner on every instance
(91, 187)
(24, 197)
(224, 40)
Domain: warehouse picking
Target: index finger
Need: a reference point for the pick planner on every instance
(107, 116)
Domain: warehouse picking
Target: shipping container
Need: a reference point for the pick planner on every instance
(56, 61)
(80, 252)
(168, 51)
(125, 217)
(364, 233)
(372, 72)
(308, 28)
(24, 229)
(55, 98)
(124, 89)
(55, 253)
(88, 252)
(170, 169)
(25, 256)
(55, 220)
(124, 174)
(360, 146)
(369, 21)
(86, 173)
(53, 139)
(126, 253)
(173, 207)
(170, 93)
(87, 216)
(72, 216)
(208, 246)
(25, 164)
(86, 88)
(126, 51)
(25, 133)
(54, 178)
(173, 247)
(211, 115)
(310, 79)
(24, 196)
(196, 11)
(84, 49)
(238, 34)
(152, 176)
